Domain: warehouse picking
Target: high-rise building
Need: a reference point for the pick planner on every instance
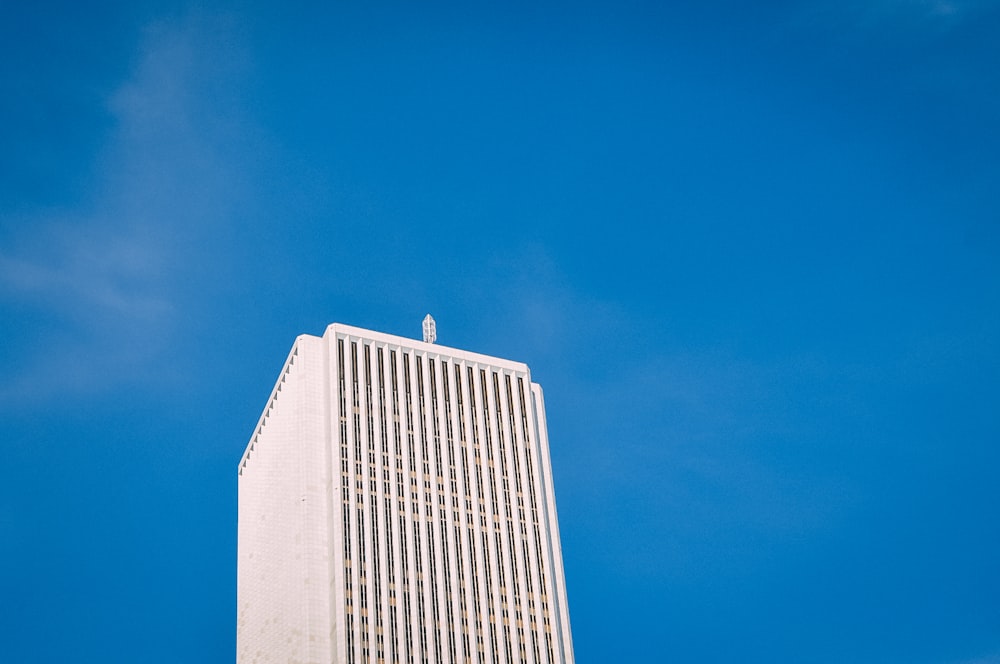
(396, 506)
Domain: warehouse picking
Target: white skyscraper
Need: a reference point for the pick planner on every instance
(396, 505)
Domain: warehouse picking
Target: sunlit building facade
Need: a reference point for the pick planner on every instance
(396, 506)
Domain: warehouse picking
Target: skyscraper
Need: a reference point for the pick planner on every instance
(396, 506)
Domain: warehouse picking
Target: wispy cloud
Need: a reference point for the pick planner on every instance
(90, 277)
(985, 659)
(106, 277)
(919, 16)
(710, 419)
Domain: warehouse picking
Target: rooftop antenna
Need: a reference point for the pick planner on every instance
(430, 330)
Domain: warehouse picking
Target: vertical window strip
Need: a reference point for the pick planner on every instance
(480, 646)
(487, 568)
(435, 423)
(452, 525)
(417, 544)
(387, 512)
(428, 508)
(467, 489)
(346, 508)
(404, 558)
(536, 528)
(511, 539)
(433, 583)
(476, 447)
(481, 522)
(526, 438)
(505, 586)
(494, 506)
(360, 507)
(446, 578)
(391, 580)
(462, 602)
(421, 617)
(373, 488)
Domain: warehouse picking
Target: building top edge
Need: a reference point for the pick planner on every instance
(419, 345)
(392, 340)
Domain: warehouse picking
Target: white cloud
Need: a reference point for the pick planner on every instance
(89, 276)
(913, 15)
(105, 277)
(985, 659)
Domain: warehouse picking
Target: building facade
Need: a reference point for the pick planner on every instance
(396, 506)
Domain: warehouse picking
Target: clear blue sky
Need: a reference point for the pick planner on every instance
(750, 250)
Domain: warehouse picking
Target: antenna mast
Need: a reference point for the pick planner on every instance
(430, 330)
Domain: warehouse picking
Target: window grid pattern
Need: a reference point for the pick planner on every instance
(465, 547)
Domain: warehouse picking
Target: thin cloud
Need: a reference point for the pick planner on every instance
(916, 16)
(985, 659)
(107, 278)
(86, 277)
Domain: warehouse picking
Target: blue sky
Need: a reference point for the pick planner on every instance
(751, 252)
